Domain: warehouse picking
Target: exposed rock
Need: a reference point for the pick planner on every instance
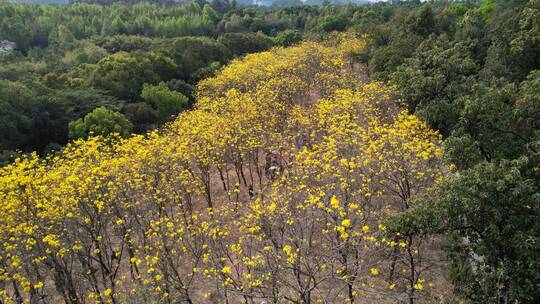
(6, 46)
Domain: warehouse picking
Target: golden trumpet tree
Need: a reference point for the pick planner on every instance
(191, 214)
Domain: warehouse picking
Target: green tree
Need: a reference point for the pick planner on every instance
(335, 23)
(13, 29)
(17, 103)
(193, 53)
(486, 8)
(386, 58)
(167, 102)
(489, 208)
(61, 38)
(101, 121)
(243, 43)
(490, 215)
(435, 78)
(183, 87)
(123, 74)
(62, 106)
(84, 52)
(288, 38)
(422, 21)
(118, 25)
(209, 13)
(142, 115)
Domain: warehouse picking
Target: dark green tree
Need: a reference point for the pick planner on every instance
(243, 43)
(288, 38)
(101, 121)
(123, 74)
(434, 80)
(168, 103)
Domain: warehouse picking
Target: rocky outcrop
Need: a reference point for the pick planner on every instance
(6, 46)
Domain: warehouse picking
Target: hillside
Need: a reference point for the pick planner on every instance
(275, 3)
(206, 152)
(70, 60)
(263, 191)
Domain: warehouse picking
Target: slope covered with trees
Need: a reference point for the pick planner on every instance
(72, 59)
(395, 163)
(471, 72)
(275, 186)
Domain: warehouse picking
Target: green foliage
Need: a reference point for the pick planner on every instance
(12, 28)
(387, 58)
(209, 13)
(421, 22)
(84, 52)
(8, 156)
(168, 103)
(489, 214)
(486, 8)
(142, 115)
(124, 74)
(334, 23)
(435, 78)
(107, 53)
(526, 41)
(16, 109)
(19, 68)
(243, 43)
(192, 53)
(207, 71)
(62, 106)
(100, 122)
(288, 38)
(33, 116)
(181, 86)
(61, 38)
(123, 43)
(457, 9)
(494, 117)
(472, 73)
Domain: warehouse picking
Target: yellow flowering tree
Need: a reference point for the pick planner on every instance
(189, 213)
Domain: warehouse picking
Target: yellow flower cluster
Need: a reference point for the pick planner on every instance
(274, 184)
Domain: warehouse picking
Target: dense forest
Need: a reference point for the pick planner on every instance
(67, 54)
(223, 152)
